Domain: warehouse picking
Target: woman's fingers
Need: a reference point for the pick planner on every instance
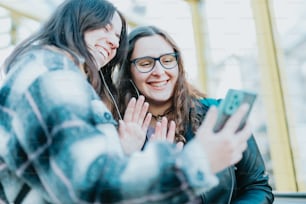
(225, 147)
(146, 122)
(157, 133)
(163, 132)
(143, 113)
(233, 122)
(180, 145)
(128, 115)
(243, 136)
(164, 128)
(136, 112)
(138, 108)
(171, 132)
(121, 129)
(210, 120)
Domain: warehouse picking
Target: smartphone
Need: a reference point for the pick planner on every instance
(230, 104)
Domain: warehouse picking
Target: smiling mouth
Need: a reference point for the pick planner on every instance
(103, 52)
(159, 84)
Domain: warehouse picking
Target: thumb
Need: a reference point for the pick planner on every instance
(180, 145)
(209, 121)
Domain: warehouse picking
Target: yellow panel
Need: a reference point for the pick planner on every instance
(284, 173)
(24, 9)
(199, 43)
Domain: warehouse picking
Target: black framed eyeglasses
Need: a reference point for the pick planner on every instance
(147, 64)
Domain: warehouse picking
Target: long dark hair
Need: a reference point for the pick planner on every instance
(185, 95)
(66, 28)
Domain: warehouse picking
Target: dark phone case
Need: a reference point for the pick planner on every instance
(233, 99)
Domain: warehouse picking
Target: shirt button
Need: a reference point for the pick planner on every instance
(107, 116)
(200, 175)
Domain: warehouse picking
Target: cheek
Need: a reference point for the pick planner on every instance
(138, 78)
(174, 73)
(114, 54)
(134, 74)
(88, 39)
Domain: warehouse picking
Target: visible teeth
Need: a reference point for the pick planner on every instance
(103, 52)
(158, 84)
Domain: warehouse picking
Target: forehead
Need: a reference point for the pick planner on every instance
(153, 46)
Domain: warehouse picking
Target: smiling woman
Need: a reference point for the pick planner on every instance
(156, 80)
(154, 65)
(103, 42)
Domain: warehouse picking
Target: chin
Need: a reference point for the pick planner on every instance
(102, 65)
(161, 99)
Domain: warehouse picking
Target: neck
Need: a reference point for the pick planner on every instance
(160, 116)
(160, 111)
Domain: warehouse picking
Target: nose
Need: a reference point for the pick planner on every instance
(158, 68)
(113, 41)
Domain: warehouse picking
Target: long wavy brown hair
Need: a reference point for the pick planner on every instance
(185, 95)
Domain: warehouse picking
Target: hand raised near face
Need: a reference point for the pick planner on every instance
(133, 128)
(164, 134)
(225, 147)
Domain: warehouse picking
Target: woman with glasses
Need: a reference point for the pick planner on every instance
(154, 68)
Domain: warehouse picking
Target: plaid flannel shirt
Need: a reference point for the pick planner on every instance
(58, 139)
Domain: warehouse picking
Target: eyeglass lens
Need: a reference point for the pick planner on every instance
(146, 64)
